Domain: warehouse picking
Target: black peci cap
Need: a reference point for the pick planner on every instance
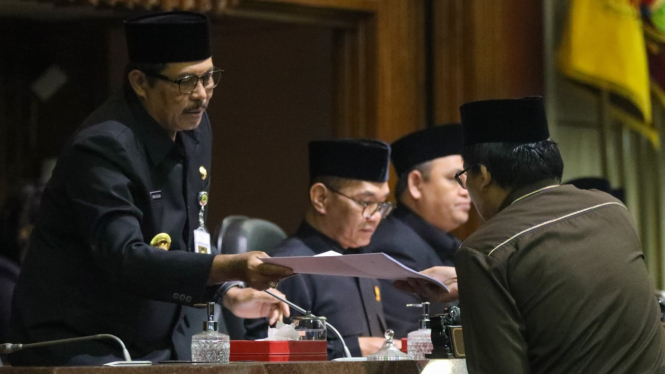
(360, 159)
(520, 120)
(168, 37)
(426, 145)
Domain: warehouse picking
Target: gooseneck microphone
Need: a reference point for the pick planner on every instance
(8, 348)
(347, 353)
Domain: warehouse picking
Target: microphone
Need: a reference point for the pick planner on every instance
(347, 353)
(8, 348)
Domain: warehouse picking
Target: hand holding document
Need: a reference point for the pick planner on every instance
(371, 265)
(445, 274)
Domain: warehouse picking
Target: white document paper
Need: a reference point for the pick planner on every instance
(371, 265)
(329, 253)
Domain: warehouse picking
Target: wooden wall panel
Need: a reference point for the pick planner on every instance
(482, 49)
(400, 63)
(485, 49)
(352, 5)
(378, 54)
(354, 106)
(449, 67)
(524, 43)
(277, 95)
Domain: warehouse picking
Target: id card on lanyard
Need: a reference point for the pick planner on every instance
(201, 235)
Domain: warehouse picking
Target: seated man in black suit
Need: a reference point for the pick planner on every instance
(430, 205)
(347, 195)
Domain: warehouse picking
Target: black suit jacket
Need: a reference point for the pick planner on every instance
(120, 181)
(409, 239)
(351, 305)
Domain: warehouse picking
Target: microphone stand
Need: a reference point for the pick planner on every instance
(7, 348)
(347, 353)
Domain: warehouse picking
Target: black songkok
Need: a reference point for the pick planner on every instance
(504, 121)
(426, 145)
(168, 37)
(360, 159)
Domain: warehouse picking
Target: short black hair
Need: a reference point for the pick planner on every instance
(425, 169)
(155, 68)
(513, 165)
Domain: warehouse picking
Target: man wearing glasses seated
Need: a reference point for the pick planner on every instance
(347, 196)
(120, 243)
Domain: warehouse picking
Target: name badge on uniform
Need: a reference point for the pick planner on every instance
(201, 235)
(202, 242)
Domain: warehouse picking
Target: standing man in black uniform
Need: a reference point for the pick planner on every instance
(120, 243)
(347, 194)
(430, 204)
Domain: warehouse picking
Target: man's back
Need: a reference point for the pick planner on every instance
(556, 283)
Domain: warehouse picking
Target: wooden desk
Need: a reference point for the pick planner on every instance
(400, 367)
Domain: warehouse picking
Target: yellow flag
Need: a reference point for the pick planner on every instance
(603, 45)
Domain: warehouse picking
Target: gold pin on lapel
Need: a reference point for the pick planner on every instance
(162, 241)
(377, 292)
(204, 173)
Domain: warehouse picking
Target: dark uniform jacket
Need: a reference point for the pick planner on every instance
(119, 182)
(556, 283)
(411, 240)
(351, 305)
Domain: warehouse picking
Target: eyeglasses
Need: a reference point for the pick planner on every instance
(460, 176)
(188, 84)
(369, 209)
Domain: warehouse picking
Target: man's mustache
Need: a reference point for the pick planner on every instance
(197, 107)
